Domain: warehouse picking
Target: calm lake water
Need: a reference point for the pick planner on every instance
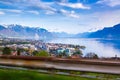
(102, 47)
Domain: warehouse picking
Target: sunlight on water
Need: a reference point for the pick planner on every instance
(92, 45)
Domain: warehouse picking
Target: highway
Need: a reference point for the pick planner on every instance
(109, 69)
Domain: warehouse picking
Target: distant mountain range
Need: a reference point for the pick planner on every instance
(19, 31)
(110, 32)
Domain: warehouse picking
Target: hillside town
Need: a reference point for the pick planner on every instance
(9, 46)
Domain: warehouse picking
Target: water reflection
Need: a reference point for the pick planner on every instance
(100, 47)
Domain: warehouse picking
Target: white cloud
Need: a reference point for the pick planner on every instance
(2, 13)
(74, 15)
(34, 12)
(14, 10)
(62, 1)
(69, 13)
(111, 3)
(40, 5)
(74, 5)
(34, 6)
(50, 12)
(11, 10)
(28, 4)
(108, 19)
(99, 20)
(63, 11)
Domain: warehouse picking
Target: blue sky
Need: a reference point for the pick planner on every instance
(72, 16)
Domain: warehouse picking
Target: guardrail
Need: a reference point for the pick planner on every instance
(66, 60)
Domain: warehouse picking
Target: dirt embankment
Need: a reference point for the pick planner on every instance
(66, 60)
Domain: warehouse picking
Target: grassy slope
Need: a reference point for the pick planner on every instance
(7, 74)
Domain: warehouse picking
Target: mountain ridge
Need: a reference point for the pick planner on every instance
(109, 32)
(24, 31)
(30, 32)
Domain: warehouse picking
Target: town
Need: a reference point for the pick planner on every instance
(20, 47)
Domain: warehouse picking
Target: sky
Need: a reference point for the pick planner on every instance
(71, 16)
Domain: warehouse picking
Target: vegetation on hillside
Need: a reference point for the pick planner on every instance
(6, 51)
(41, 53)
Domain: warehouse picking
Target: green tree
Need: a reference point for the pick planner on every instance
(35, 53)
(82, 47)
(91, 55)
(63, 54)
(95, 56)
(42, 53)
(6, 51)
(1, 48)
(19, 50)
(78, 52)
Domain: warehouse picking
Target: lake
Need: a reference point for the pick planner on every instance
(102, 47)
